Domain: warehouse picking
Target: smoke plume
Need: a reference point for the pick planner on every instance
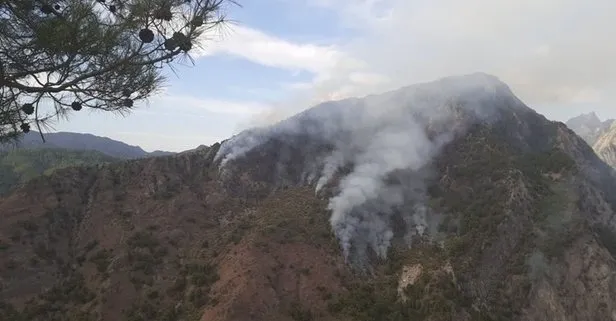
(388, 140)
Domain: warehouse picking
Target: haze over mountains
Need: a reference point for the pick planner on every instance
(601, 135)
(589, 126)
(449, 200)
(81, 142)
(32, 157)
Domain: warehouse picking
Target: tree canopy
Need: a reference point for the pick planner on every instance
(61, 56)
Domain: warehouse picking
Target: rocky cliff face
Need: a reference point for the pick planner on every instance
(589, 126)
(605, 146)
(449, 200)
(601, 135)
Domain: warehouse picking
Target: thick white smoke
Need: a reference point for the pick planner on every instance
(388, 140)
(398, 142)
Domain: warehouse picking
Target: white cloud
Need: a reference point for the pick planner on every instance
(168, 121)
(268, 50)
(357, 13)
(328, 64)
(555, 51)
(551, 52)
(548, 51)
(188, 103)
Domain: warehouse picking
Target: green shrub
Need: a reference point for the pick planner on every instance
(145, 252)
(178, 287)
(142, 240)
(299, 313)
(202, 275)
(101, 259)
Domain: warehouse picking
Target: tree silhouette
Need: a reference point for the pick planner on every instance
(104, 55)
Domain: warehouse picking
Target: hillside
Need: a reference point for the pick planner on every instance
(21, 165)
(83, 142)
(452, 201)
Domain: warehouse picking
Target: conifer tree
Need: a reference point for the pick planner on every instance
(58, 57)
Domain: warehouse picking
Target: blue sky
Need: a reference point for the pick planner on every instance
(284, 55)
(216, 80)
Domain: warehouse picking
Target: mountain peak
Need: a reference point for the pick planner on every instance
(589, 126)
(472, 81)
(444, 105)
(376, 136)
(588, 119)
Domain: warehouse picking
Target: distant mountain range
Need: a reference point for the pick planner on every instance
(31, 157)
(83, 142)
(19, 166)
(601, 135)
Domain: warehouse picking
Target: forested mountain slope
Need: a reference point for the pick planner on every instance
(451, 201)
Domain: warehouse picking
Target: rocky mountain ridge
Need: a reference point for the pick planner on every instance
(601, 135)
(605, 146)
(589, 126)
(450, 201)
